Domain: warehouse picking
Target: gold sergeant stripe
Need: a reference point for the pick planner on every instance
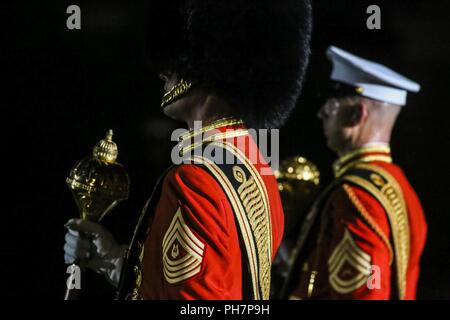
(181, 269)
(348, 251)
(178, 227)
(360, 258)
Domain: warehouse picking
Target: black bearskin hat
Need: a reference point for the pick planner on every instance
(251, 53)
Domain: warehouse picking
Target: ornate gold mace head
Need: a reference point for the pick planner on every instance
(299, 170)
(98, 183)
(298, 183)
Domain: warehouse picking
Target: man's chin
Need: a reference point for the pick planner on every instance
(332, 146)
(175, 110)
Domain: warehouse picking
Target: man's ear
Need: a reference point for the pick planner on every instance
(357, 114)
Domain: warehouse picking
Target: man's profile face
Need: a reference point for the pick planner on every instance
(170, 80)
(183, 107)
(173, 110)
(336, 116)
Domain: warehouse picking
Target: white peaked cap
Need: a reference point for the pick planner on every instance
(371, 79)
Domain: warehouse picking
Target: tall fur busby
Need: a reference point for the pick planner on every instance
(251, 53)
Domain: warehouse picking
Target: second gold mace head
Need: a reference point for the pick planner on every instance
(298, 168)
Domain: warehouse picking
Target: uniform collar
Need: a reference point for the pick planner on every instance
(368, 153)
(218, 130)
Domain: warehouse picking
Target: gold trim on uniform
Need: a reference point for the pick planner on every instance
(214, 125)
(178, 234)
(362, 155)
(255, 173)
(311, 283)
(382, 148)
(135, 294)
(390, 195)
(341, 170)
(240, 215)
(265, 258)
(215, 137)
(257, 213)
(368, 218)
(347, 251)
(252, 214)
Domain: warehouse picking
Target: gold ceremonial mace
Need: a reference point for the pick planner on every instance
(98, 183)
(298, 183)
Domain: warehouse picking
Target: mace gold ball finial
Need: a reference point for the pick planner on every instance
(106, 149)
(109, 135)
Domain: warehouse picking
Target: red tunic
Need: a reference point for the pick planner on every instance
(192, 250)
(355, 258)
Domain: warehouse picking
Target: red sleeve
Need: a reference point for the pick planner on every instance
(359, 251)
(208, 232)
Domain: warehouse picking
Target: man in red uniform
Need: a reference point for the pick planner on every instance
(214, 221)
(365, 234)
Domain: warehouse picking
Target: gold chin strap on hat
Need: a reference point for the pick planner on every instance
(176, 92)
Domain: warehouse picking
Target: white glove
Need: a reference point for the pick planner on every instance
(91, 245)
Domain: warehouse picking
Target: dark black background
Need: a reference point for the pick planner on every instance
(63, 89)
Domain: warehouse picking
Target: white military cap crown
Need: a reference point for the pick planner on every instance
(371, 79)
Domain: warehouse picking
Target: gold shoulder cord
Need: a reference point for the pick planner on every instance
(387, 191)
(366, 216)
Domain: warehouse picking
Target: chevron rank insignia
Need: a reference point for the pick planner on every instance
(182, 251)
(348, 266)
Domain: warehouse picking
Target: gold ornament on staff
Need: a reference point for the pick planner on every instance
(298, 168)
(298, 183)
(98, 183)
